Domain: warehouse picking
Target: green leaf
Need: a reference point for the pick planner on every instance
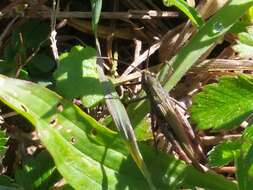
(189, 11)
(175, 175)
(224, 153)
(224, 105)
(140, 123)
(77, 77)
(137, 114)
(41, 66)
(3, 142)
(91, 156)
(143, 131)
(239, 27)
(37, 172)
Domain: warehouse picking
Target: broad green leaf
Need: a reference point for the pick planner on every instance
(224, 105)
(91, 156)
(189, 11)
(3, 142)
(141, 124)
(224, 153)
(143, 131)
(37, 172)
(229, 151)
(77, 77)
(41, 66)
(138, 115)
(73, 138)
(212, 31)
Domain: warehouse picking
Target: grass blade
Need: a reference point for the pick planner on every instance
(121, 120)
(207, 36)
(189, 11)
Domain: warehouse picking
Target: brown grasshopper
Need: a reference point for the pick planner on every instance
(171, 122)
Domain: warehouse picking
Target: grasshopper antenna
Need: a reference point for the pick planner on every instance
(122, 62)
(147, 60)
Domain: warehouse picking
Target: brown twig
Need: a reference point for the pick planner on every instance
(104, 31)
(213, 140)
(224, 64)
(226, 169)
(142, 58)
(7, 29)
(131, 14)
(53, 30)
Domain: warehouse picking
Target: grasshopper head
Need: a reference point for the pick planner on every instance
(148, 79)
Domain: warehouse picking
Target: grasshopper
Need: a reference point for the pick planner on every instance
(164, 109)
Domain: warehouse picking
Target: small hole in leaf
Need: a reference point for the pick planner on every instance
(94, 132)
(23, 108)
(73, 140)
(53, 121)
(59, 107)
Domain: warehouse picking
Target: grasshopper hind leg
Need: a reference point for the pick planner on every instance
(160, 141)
(164, 139)
(154, 129)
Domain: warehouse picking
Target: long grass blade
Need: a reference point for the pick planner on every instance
(207, 36)
(115, 106)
